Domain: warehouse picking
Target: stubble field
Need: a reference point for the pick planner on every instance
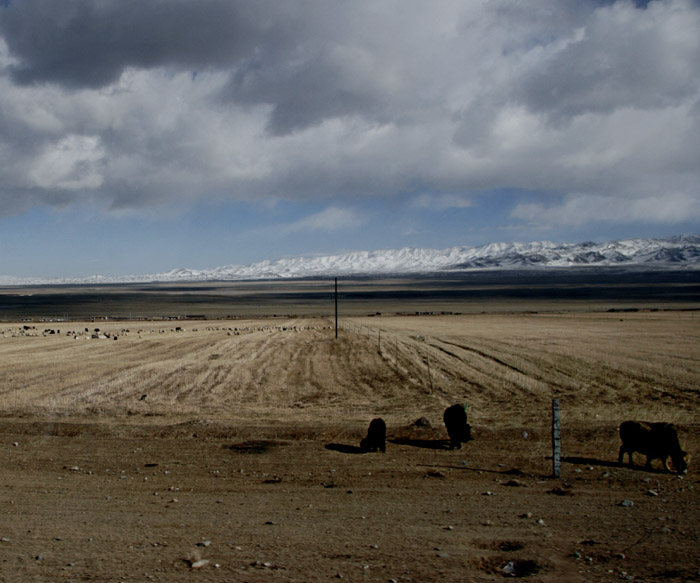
(226, 450)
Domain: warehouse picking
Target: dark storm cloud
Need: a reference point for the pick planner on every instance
(88, 43)
(327, 85)
(310, 61)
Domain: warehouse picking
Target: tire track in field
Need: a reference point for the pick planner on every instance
(358, 370)
(313, 369)
(549, 370)
(543, 376)
(593, 373)
(482, 354)
(558, 372)
(480, 375)
(406, 357)
(323, 370)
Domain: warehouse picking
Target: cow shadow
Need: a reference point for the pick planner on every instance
(590, 461)
(613, 464)
(510, 472)
(422, 443)
(344, 448)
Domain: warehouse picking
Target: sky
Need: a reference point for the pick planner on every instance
(139, 136)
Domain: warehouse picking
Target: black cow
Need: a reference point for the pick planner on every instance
(655, 440)
(376, 436)
(455, 418)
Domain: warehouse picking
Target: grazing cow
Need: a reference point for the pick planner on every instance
(455, 418)
(655, 440)
(376, 436)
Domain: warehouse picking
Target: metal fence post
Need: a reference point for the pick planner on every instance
(556, 439)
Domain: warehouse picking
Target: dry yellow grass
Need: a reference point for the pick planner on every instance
(603, 367)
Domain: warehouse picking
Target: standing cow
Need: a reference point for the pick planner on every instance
(455, 418)
(655, 440)
(376, 436)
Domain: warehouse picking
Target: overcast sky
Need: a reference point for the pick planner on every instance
(138, 136)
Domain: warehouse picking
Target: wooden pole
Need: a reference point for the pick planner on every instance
(556, 439)
(336, 307)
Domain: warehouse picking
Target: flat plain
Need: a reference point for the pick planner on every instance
(226, 448)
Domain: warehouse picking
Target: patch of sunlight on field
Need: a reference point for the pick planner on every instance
(507, 367)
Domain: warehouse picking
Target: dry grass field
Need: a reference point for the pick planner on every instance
(136, 450)
(508, 367)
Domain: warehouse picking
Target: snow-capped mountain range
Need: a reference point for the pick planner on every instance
(674, 252)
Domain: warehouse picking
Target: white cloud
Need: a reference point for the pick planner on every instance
(70, 164)
(328, 101)
(578, 210)
(329, 219)
(623, 57)
(441, 202)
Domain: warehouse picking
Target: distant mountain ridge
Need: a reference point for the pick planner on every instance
(669, 253)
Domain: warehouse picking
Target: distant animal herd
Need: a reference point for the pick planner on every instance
(86, 334)
(654, 440)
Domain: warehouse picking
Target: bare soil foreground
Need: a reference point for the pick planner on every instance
(228, 450)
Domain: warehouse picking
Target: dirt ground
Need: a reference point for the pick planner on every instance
(87, 503)
(172, 488)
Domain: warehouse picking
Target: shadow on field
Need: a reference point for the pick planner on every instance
(255, 446)
(343, 448)
(423, 443)
(590, 461)
(615, 464)
(510, 472)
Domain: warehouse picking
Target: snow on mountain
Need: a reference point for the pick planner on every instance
(673, 252)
